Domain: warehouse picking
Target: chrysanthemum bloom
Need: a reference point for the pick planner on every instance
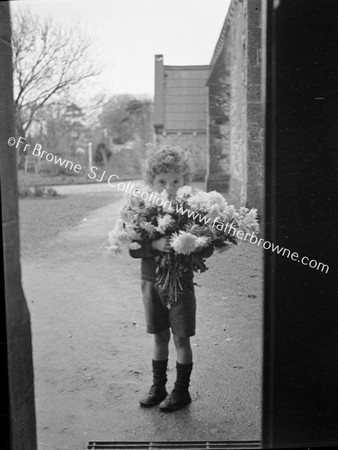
(228, 213)
(214, 212)
(147, 226)
(118, 229)
(122, 237)
(250, 220)
(126, 215)
(183, 242)
(115, 239)
(134, 235)
(206, 201)
(167, 207)
(134, 246)
(183, 192)
(115, 248)
(202, 241)
(215, 197)
(243, 211)
(131, 201)
(164, 222)
(199, 201)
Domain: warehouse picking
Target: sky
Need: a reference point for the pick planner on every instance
(129, 33)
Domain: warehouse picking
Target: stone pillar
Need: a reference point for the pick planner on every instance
(17, 320)
(236, 108)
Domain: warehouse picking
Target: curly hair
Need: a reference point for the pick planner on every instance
(166, 159)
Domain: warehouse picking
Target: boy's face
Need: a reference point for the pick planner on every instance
(170, 181)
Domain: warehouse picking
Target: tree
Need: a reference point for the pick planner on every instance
(60, 127)
(139, 114)
(112, 118)
(127, 118)
(47, 61)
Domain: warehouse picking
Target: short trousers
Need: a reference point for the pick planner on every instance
(181, 317)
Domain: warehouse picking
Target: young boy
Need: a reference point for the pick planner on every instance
(168, 168)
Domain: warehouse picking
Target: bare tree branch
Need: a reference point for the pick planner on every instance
(47, 60)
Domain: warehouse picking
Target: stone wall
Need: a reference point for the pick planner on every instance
(229, 153)
(235, 122)
(219, 127)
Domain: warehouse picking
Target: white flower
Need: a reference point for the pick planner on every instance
(183, 242)
(112, 237)
(123, 238)
(119, 234)
(167, 207)
(147, 226)
(117, 238)
(130, 201)
(134, 246)
(202, 241)
(133, 234)
(214, 212)
(251, 217)
(126, 215)
(228, 213)
(249, 221)
(164, 222)
(215, 197)
(183, 191)
(148, 196)
(243, 211)
(118, 228)
(114, 248)
(199, 201)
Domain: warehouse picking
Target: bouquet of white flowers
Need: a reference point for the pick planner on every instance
(194, 220)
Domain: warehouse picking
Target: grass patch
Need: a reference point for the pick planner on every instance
(44, 218)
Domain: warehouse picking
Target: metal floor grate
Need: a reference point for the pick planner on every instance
(171, 445)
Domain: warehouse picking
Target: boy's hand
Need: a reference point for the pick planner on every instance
(162, 245)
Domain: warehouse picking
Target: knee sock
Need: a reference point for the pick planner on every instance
(159, 372)
(183, 376)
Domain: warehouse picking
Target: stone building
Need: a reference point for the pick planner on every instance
(236, 107)
(216, 110)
